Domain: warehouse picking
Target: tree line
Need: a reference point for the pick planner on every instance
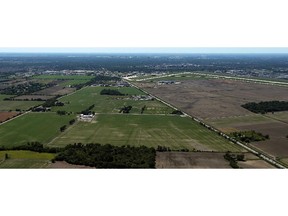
(266, 106)
(111, 92)
(96, 155)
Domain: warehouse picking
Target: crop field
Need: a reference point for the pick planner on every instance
(229, 124)
(21, 105)
(2, 96)
(41, 127)
(7, 115)
(55, 90)
(63, 77)
(203, 160)
(33, 97)
(272, 124)
(149, 130)
(85, 97)
(73, 82)
(25, 159)
(182, 77)
(214, 98)
(218, 103)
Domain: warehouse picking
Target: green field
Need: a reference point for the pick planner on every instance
(63, 77)
(149, 130)
(239, 120)
(41, 127)
(85, 97)
(181, 77)
(2, 96)
(73, 82)
(25, 159)
(13, 105)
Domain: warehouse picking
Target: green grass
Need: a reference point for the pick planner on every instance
(2, 96)
(66, 77)
(230, 121)
(181, 77)
(25, 159)
(73, 82)
(85, 97)
(41, 127)
(282, 116)
(22, 105)
(20, 154)
(149, 130)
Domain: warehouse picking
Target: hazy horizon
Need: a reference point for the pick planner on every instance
(164, 50)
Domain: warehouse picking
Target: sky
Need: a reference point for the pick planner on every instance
(143, 23)
(202, 26)
(145, 50)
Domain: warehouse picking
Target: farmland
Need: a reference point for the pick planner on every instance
(85, 97)
(204, 160)
(18, 105)
(149, 130)
(218, 103)
(7, 115)
(25, 159)
(41, 127)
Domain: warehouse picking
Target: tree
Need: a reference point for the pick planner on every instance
(63, 128)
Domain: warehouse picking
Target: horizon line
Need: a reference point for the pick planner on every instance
(146, 50)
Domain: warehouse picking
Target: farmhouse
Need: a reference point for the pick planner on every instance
(88, 118)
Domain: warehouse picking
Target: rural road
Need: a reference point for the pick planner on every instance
(253, 150)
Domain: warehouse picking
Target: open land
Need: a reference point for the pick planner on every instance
(7, 105)
(7, 115)
(150, 130)
(204, 160)
(31, 127)
(88, 96)
(218, 102)
(25, 159)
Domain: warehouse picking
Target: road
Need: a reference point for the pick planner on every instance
(249, 148)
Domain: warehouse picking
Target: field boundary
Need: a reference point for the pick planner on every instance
(249, 148)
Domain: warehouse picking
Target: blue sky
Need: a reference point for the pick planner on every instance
(147, 50)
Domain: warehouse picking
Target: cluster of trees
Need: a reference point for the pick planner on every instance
(33, 146)
(61, 112)
(167, 149)
(71, 122)
(233, 159)
(63, 128)
(98, 79)
(26, 88)
(249, 136)
(143, 109)
(88, 110)
(177, 112)
(125, 109)
(108, 156)
(26, 99)
(53, 102)
(111, 92)
(266, 106)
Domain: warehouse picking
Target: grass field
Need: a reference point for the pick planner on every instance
(22, 105)
(2, 96)
(73, 82)
(25, 159)
(149, 130)
(63, 77)
(238, 120)
(181, 77)
(85, 97)
(41, 127)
